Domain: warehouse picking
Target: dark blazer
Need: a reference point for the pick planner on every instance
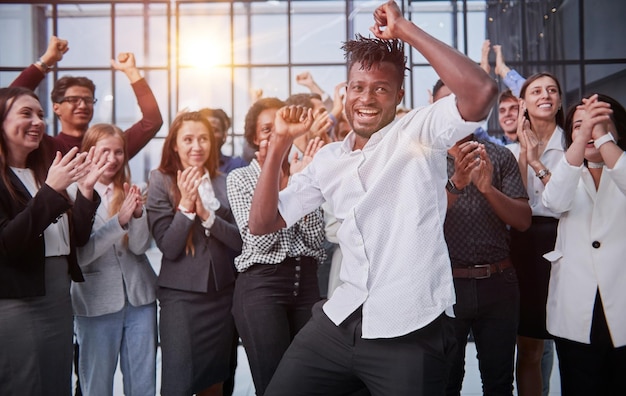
(22, 245)
(214, 254)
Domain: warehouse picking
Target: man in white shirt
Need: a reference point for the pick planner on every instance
(383, 327)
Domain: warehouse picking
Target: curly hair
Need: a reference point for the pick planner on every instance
(249, 129)
(219, 114)
(368, 51)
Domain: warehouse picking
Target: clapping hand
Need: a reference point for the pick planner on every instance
(482, 174)
(596, 115)
(466, 159)
(132, 205)
(297, 165)
(188, 181)
(66, 169)
(95, 165)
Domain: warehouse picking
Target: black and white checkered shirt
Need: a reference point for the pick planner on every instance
(302, 239)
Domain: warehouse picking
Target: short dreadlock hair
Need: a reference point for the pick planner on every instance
(368, 51)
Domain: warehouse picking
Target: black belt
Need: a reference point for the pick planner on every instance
(544, 220)
(482, 271)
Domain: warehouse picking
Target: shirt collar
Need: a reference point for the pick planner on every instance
(376, 137)
(102, 188)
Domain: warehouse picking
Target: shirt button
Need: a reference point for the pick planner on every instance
(296, 284)
(119, 254)
(595, 244)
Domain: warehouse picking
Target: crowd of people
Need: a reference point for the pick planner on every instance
(433, 231)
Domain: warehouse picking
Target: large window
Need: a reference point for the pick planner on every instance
(224, 53)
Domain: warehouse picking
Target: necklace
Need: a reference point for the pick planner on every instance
(595, 165)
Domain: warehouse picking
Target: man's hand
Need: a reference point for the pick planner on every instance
(126, 63)
(484, 56)
(466, 159)
(483, 172)
(386, 18)
(501, 68)
(293, 121)
(54, 53)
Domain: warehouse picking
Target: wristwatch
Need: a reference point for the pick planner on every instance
(604, 139)
(451, 188)
(542, 174)
(43, 65)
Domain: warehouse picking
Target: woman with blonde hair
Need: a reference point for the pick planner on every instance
(115, 308)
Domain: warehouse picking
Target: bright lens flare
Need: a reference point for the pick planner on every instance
(203, 54)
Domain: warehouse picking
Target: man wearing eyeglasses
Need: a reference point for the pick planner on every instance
(73, 100)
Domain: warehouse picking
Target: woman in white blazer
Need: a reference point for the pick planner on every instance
(115, 308)
(586, 309)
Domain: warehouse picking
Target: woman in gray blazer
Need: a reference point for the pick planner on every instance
(193, 226)
(115, 308)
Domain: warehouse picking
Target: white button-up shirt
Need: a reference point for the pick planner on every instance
(391, 200)
(549, 158)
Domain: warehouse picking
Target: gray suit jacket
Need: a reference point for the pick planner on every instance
(214, 254)
(109, 265)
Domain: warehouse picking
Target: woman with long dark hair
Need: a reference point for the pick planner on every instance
(40, 228)
(540, 148)
(587, 298)
(193, 226)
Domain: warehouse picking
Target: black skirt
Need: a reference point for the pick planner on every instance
(533, 273)
(196, 332)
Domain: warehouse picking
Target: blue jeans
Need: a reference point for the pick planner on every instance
(130, 334)
(489, 307)
(272, 302)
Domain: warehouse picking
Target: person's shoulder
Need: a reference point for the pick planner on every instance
(500, 150)
(242, 172)
(158, 176)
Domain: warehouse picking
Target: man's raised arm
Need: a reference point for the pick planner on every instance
(140, 133)
(475, 91)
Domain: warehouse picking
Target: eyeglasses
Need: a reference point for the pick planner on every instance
(75, 100)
